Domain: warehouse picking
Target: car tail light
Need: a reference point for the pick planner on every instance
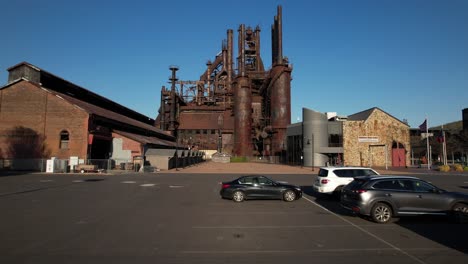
(324, 181)
(224, 186)
(355, 209)
(360, 191)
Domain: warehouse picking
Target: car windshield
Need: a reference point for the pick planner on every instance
(365, 172)
(356, 184)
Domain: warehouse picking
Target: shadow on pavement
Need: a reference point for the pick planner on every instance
(6, 173)
(440, 229)
(329, 202)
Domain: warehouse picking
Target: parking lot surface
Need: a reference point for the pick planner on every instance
(267, 168)
(180, 218)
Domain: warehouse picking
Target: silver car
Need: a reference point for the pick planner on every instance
(384, 197)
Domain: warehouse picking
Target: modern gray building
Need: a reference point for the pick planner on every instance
(317, 140)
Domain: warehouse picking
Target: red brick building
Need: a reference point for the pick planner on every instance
(43, 116)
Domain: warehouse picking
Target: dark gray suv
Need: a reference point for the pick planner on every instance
(383, 197)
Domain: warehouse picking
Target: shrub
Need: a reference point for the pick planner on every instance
(458, 167)
(444, 168)
(238, 159)
(466, 168)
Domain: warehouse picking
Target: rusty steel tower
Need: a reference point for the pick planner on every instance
(254, 104)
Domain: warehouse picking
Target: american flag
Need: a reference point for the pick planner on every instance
(423, 126)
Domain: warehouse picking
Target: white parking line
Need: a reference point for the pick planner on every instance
(270, 227)
(78, 181)
(176, 186)
(46, 180)
(129, 182)
(367, 232)
(303, 251)
(148, 185)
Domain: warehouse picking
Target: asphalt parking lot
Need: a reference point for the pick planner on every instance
(180, 218)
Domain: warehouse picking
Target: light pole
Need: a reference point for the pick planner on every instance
(220, 133)
(177, 150)
(302, 151)
(311, 142)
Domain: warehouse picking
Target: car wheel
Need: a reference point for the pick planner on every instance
(289, 196)
(337, 192)
(460, 213)
(238, 196)
(338, 189)
(381, 213)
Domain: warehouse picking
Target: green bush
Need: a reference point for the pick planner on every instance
(444, 168)
(466, 168)
(239, 159)
(458, 167)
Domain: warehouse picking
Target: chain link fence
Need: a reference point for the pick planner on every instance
(66, 165)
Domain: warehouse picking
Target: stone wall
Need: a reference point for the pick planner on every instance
(380, 128)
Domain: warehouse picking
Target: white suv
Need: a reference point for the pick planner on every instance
(332, 179)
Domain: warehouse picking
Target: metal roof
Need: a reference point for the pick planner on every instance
(107, 114)
(145, 139)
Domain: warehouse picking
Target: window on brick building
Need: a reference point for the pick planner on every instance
(64, 139)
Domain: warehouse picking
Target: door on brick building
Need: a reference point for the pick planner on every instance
(398, 155)
(100, 147)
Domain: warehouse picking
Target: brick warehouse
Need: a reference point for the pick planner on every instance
(43, 116)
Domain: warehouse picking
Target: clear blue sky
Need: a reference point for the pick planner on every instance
(407, 57)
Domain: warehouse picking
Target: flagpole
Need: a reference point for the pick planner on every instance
(427, 145)
(444, 146)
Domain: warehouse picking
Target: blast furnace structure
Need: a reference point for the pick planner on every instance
(242, 111)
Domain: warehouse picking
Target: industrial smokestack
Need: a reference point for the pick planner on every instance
(241, 55)
(229, 58)
(277, 39)
(173, 79)
(257, 48)
(208, 77)
(279, 58)
(162, 112)
(242, 104)
(279, 90)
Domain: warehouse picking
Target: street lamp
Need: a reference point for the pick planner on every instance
(176, 134)
(311, 142)
(220, 133)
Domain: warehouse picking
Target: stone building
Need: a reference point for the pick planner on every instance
(376, 138)
(368, 138)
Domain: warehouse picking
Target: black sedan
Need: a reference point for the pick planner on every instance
(259, 187)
